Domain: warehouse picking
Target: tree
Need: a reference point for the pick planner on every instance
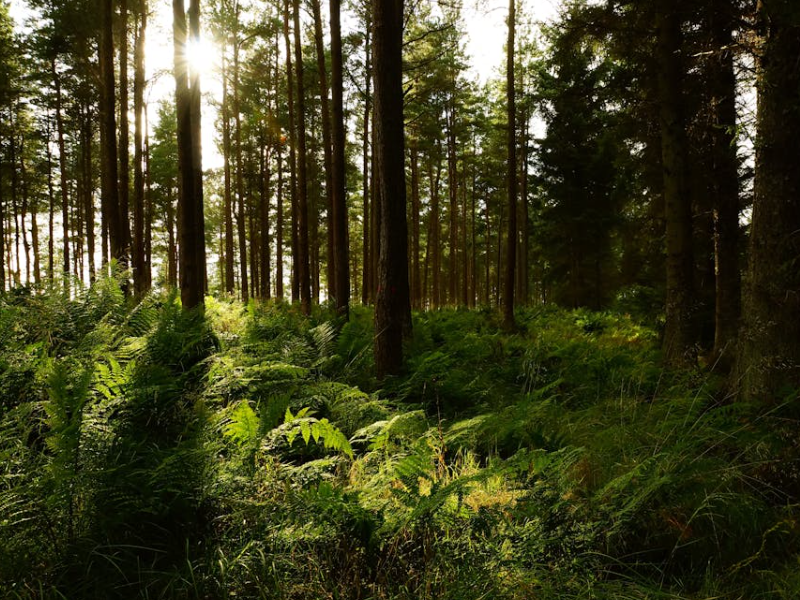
(511, 238)
(191, 229)
(341, 254)
(393, 303)
(768, 361)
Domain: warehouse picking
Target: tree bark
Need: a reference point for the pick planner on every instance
(678, 334)
(62, 159)
(511, 249)
(124, 138)
(393, 304)
(303, 274)
(140, 276)
(290, 92)
(725, 177)
(768, 361)
(341, 250)
(190, 200)
(240, 195)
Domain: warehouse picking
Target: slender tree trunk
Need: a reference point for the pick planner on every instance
(452, 190)
(511, 235)
(725, 177)
(148, 213)
(62, 165)
(88, 195)
(340, 243)
(393, 304)
(172, 251)
(51, 200)
(190, 200)
(124, 138)
(303, 274)
(416, 296)
(435, 232)
(263, 194)
(678, 331)
(240, 195)
(140, 277)
(111, 198)
(366, 279)
(279, 226)
(327, 143)
(768, 362)
(229, 279)
(290, 93)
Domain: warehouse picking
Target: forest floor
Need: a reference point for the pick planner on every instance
(250, 453)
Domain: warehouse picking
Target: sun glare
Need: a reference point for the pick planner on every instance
(202, 56)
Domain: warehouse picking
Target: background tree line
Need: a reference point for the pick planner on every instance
(630, 196)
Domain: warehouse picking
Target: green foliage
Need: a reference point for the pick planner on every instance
(153, 453)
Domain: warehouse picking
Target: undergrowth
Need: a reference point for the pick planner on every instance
(249, 452)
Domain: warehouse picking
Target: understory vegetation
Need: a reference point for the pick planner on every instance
(147, 452)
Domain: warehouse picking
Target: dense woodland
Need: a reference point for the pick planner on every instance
(424, 334)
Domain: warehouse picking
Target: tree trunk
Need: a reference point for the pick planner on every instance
(62, 162)
(303, 275)
(511, 236)
(263, 195)
(327, 143)
(435, 232)
(124, 138)
(768, 362)
(366, 276)
(678, 334)
(229, 279)
(393, 304)
(416, 296)
(190, 199)
(290, 91)
(240, 195)
(452, 190)
(341, 249)
(140, 278)
(725, 178)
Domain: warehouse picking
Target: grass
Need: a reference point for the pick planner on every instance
(251, 453)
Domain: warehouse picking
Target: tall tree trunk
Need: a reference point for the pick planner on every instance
(124, 138)
(393, 304)
(678, 334)
(341, 245)
(303, 275)
(511, 168)
(263, 194)
(725, 177)
(290, 94)
(140, 276)
(172, 251)
(62, 166)
(768, 362)
(190, 200)
(366, 275)
(110, 193)
(88, 187)
(452, 191)
(51, 201)
(279, 226)
(416, 295)
(229, 279)
(241, 200)
(327, 143)
(435, 232)
(148, 204)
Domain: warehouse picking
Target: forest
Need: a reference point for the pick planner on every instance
(400, 299)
